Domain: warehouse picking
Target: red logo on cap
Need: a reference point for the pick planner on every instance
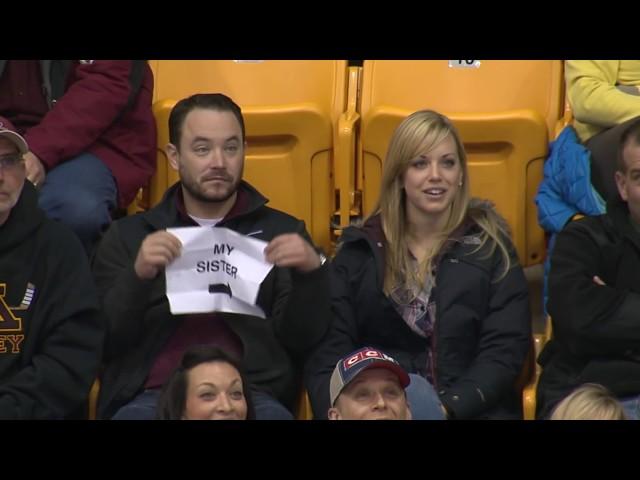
(360, 356)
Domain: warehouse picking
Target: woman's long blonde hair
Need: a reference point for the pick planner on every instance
(420, 132)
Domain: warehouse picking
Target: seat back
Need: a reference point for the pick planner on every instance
(506, 111)
(529, 391)
(290, 110)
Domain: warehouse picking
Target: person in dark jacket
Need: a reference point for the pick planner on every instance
(594, 296)
(145, 341)
(51, 333)
(91, 134)
(432, 279)
(209, 384)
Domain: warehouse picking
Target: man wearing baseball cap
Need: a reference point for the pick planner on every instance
(51, 333)
(369, 385)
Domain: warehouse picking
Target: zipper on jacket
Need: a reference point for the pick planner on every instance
(433, 344)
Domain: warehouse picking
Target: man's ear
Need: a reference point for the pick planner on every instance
(621, 183)
(172, 154)
(334, 414)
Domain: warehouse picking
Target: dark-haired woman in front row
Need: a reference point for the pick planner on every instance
(209, 384)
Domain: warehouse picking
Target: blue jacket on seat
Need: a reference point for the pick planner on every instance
(565, 190)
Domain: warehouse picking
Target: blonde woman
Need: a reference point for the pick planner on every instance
(589, 402)
(432, 279)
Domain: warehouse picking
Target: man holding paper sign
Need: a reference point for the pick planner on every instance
(289, 315)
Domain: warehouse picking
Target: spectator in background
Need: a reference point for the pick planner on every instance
(91, 135)
(594, 296)
(605, 97)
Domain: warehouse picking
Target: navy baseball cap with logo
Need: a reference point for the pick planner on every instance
(8, 131)
(356, 362)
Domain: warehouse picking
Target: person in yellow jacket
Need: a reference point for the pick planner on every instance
(604, 96)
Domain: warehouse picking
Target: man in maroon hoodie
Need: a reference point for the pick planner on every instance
(91, 134)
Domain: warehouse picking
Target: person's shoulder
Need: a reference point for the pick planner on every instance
(257, 208)
(60, 242)
(485, 211)
(156, 218)
(587, 224)
(280, 216)
(134, 221)
(355, 245)
(273, 222)
(597, 231)
(354, 236)
(122, 229)
(58, 234)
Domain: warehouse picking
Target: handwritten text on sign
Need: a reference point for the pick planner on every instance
(219, 271)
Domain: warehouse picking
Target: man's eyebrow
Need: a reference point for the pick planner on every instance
(200, 139)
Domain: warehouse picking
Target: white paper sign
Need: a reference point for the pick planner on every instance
(219, 271)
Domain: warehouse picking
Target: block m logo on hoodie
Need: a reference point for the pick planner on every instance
(11, 335)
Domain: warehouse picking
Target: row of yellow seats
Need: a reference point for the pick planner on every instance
(318, 130)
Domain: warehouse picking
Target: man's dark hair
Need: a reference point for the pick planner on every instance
(630, 134)
(173, 398)
(208, 101)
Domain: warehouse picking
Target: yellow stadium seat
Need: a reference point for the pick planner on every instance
(506, 112)
(304, 411)
(527, 377)
(291, 110)
(529, 392)
(94, 393)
